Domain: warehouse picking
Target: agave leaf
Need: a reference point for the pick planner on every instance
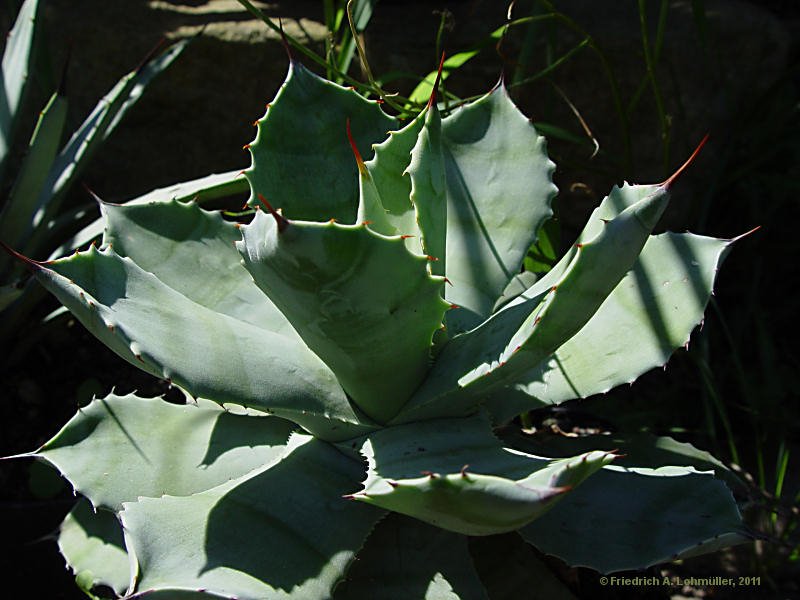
(301, 159)
(388, 170)
(650, 314)
(87, 139)
(405, 558)
(93, 546)
(332, 280)
(210, 354)
(499, 189)
(284, 532)
(659, 500)
(20, 205)
(528, 329)
(170, 239)
(632, 518)
(639, 449)
(456, 475)
(429, 190)
(209, 187)
(121, 447)
(14, 73)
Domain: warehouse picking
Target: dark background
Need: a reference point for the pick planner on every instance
(733, 74)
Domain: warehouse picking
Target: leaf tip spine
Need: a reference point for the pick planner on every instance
(280, 220)
(285, 41)
(362, 168)
(671, 180)
(436, 83)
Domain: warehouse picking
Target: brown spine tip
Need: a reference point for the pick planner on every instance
(464, 471)
(285, 42)
(94, 196)
(668, 183)
(738, 237)
(403, 237)
(31, 265)
(362, 168)
(432, 258)
(436, 83)
(282, 221)
(246, 147)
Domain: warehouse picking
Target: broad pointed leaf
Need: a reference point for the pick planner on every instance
(210, 354)
(406, 558)
(388, 170)
(650, 314)
(429, 189)
(171, 239)
(92, 544)
(499, 189)
(283, 533)
(639, 449)
(121, 447)
(456, 475)
(210, 187)
(360, 300)
(302, 161)
(634, 518)
(527, 330)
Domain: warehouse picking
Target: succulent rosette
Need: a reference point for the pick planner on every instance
(346, 354)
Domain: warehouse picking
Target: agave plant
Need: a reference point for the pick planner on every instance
(346, 355)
